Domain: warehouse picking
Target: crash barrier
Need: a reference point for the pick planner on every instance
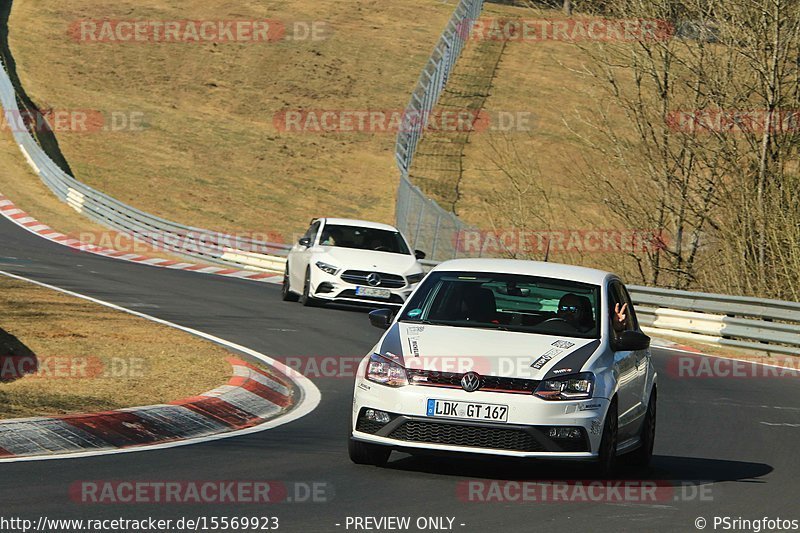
(732, 321)
(197, 243)
(744, 322)
(428, 226)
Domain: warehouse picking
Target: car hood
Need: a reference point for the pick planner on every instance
(486, 351)
(369, 260)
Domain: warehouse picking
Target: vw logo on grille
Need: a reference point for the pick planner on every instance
(374, 279)
(471, 382)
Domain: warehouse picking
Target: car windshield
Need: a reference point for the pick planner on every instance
(363, 239)
(509, 302)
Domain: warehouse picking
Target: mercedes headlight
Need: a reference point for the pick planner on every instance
(415, 278)
(572, 387)
(386, 372)
(329, 269)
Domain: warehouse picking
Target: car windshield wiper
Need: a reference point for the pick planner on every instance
(486, 326)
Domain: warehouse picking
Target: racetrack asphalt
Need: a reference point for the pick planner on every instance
(732, 442)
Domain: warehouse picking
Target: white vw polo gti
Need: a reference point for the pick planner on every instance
(351, 261)
(510, 358)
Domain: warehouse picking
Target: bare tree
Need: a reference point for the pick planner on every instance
(708, 145)
(522, 202)
(656, 181)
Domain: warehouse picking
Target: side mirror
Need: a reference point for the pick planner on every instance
(631, 341)
(419, 254)
(305, 241)
(381, 318)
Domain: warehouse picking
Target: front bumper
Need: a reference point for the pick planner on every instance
(525, 434)
(332, 288)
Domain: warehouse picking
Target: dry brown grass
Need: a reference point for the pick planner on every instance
(543, 78)
(540, 77)
(95, 358)
(209, 154)
(210, 140)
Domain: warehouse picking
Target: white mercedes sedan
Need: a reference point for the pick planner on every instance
(509, 358)
(351, 261)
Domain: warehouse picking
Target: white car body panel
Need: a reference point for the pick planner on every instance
(303, 259)
(629, 376)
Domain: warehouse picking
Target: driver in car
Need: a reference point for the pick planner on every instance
(329, 237)
(577, 311)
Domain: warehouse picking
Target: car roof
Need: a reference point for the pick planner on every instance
(359, 223)
(529, 268)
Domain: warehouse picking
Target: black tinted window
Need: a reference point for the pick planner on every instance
(507, 301)
(363, 239)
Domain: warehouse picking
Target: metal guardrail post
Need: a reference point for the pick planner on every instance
(431, 84)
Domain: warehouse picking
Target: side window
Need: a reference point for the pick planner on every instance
(312, 231)
(618, 295)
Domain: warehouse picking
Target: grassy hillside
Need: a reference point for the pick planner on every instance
(209, 153)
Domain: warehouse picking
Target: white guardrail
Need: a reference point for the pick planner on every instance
(733, 321)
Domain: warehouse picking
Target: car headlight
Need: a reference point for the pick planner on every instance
(325, 267)
(415, 278)
(573, 387)
(386, 372)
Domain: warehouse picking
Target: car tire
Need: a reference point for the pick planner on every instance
(640, 458)
(306, 299)
(286, 293)
(607, 460)
(364, 453)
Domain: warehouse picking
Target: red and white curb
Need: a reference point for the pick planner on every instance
(251, 397)
(253, 400)
(26, 221)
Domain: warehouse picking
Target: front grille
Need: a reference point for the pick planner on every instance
(488, 383)
(359, 277)
(470, 436)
